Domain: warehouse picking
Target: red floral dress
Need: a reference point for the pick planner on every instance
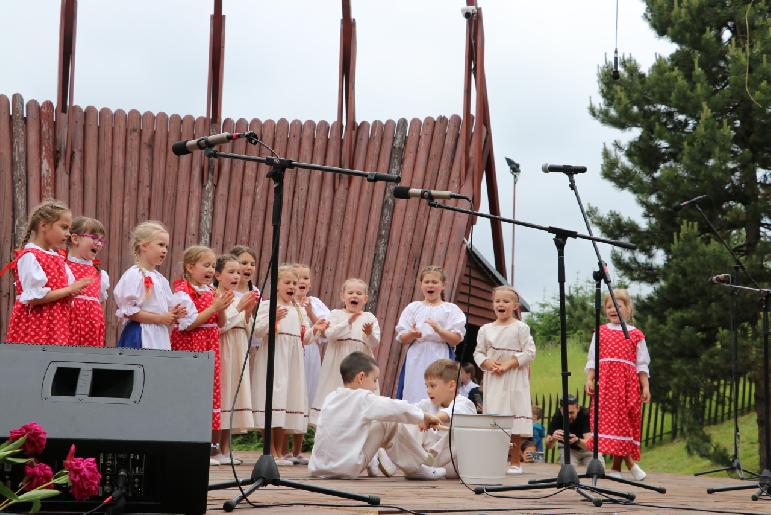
(86, 316)
(43, 323)
(203, 338)
(619, 388)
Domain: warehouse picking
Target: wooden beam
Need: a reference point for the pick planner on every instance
(65, 82)
(386, 215)
(213, 118)
(346, 97)
(19, 163)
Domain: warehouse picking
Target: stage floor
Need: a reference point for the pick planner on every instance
(683, 493)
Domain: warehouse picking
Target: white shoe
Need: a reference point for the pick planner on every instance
(427, 473)
(637, 473)
(614, 473)
(514, 471)
(213, 462)
(281, 462)
(373, 467)
(224, 459)
(385, 465)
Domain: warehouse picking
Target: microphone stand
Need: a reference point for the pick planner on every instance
(736, 463)
(596, 469)
(763, 483)
(568, 477)
(265, 471)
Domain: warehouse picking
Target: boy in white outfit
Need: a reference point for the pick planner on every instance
(441, 380)
(354, 423)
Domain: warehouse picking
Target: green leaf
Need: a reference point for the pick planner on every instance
(12, 446)
(17, 460)
(36, 495)
(5, 453)
(35, 506)
(7, 492)
(61, 480)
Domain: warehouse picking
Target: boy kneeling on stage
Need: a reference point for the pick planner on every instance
(441, 380)
(355, 422)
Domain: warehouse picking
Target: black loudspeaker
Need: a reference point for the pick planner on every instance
(146, 413)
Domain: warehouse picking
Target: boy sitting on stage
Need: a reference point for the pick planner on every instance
(441, 380)
(354, 423)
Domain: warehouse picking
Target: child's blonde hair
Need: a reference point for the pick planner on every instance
(444, 369)
(50, 211)
(286, 269)
(193, 255)
(354, 280)
(143, 233)
(622, 295)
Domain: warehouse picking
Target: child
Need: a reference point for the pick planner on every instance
(441, 377)
(354, 423)
(316, 310)
(350, 329)
(86, 315)
(534, 445)
(44, 284)
(623, 383)
(430, 329)
(198, 330)
(247, 257)
(143, 296)
(504, 351)
(233, 348)
(293, 332)
(467, 371)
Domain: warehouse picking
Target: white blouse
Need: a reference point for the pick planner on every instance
(32, 277)
(643, 356)
(192, 312)
(104, 283)
(447, 314)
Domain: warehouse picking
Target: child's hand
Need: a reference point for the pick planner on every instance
(490, 365)
(434, 325)
(589, 386)
(247, 302)
(222, 300)
(411, 336)
(429, 421)
(508, 365)
(320, 326)
(80, 284)
(646, 394)
(281, 312)
(179, 311)
(167, 318)
(367, 328)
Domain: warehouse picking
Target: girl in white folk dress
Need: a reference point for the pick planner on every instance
(143, 296)
(293, 331)
(430, 328)
(233, 348)
(504, 352)
(350, 329)
(316, 310)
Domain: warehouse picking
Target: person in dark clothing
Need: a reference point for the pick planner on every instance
(580, 432)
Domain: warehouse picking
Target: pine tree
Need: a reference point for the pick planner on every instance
(700, 120)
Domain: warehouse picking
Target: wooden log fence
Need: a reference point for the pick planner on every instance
(117, 166)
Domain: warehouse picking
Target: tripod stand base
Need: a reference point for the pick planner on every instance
(734, 466)
(763, 486)
(596, 470)
(265, 472)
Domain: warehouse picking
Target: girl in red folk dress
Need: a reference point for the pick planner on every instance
(198, 330)
(87, 315)
(44, 284)
(623, 384)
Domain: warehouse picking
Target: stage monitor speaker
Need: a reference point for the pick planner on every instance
(144, 412)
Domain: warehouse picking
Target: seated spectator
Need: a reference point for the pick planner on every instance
(579, 433)
(467, 373)
(534, 445)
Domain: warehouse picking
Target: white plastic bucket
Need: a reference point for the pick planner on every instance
(481, 445)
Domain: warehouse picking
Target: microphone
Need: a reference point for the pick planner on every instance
(547, 168)
(681, 205)
(181, 148)
(721, 279)
(403, 192)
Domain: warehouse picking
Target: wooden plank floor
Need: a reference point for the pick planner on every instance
(683, 493)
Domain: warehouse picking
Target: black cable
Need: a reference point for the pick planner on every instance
(399, 509)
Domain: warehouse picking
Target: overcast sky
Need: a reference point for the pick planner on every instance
(281, 60)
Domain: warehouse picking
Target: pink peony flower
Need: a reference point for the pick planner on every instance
(36, 474)
(84, 475)
(36, 438)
